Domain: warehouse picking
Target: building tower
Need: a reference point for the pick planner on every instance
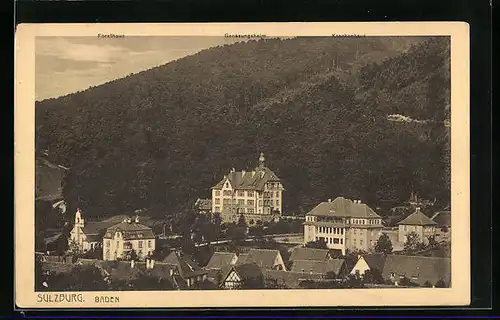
(79, 224)
(261, 160)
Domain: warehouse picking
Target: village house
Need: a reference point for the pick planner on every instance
(419, 223)
(221, 259)
(243, 276)
(264, 258)
(333, 267)
(310, 254)
(369, 262)
(256, 194)
(418, 269)
(185, 268)
(127, 236)
(344, 225)
(203, 206)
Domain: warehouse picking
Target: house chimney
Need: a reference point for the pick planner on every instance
(243, 173)
(253, 173)
(136, 219)
(417, 208)
(132, 263)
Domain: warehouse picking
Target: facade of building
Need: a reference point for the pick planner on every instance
(419, 223)
(86, 236)
(120, 239)
(344, 225)
(256, 194)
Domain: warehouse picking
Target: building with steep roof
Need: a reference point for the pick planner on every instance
(417, 269)
(256, 194)
(221, 259)
(310, 254)
(373, 262)
(185, 269)
(243, 276)
(337, 266)
(120, 239)
(419, 223)
(343, 224)
(264, 258)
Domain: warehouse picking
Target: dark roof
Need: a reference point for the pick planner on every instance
(246, 271)
(291, 279)
(375, 260)
(48, 180)
(264, 258)
(341, 207)
(187, 267)
(417, 218)
(321, 267)
(119, 270)
(251, 180)
(204, 204)
(220, 259)
(131, 231)
(94, 238)
(442, 218)
(309, 254)
(430, 269)
(52, 238)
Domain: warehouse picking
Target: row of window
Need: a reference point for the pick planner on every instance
(128, 245)
(241, 202)
(331, 230)
(273, 185)
(240, 193)
(332, 240)
(363, 221)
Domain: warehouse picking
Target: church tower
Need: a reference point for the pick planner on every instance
(79, 222)
(261, 160)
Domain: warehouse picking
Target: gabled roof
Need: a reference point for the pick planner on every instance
(375, 261)
(289, 278)
(246, 271)
(442, 218)
(341, 207)
(430, 269)
(251, 180)
(132, 230)
(310, 254)
(417, 218)
(119, 270)
(264, 258)
(220, 259)
(321, 267)
(187, 267)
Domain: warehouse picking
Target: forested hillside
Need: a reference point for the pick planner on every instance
(316, 106)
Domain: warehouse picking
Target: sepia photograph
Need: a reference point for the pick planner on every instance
(242, 162)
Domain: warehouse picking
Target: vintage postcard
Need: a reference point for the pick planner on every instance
(242, 165)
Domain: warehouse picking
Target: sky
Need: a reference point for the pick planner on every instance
(65, 65)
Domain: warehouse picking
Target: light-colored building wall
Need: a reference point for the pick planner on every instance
(118, 248)
(423, 232)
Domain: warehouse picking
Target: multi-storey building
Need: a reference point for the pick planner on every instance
(256, 194)
(419, 223)
(120, 239)
(344, 225)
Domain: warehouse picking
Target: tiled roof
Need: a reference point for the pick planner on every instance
(442, 218)
(309, 254)
(321, 267)
(246, 271)
(119, 270)
(131, 231)
(341, 207)
(251, 180)
(204, 204)
(264, 258)
(417, 218)
(430, 269)
(187, 267)
(290, 279)
(242, 258)
(375, 261)
(220, 259)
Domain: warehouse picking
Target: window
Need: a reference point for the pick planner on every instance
(277, 194)
(217, 193)
(250, 193)
(149, 244)
(140, 244)
(277, 203)
(250, 202)
(241, 193)
(341, 241)
(106, 244)
(227, 184)
(250, 210)
(226, 192)
(354, 230)
(341, 230)
(241, 202)
(335, 240)
(360, 242)
(217, 209)
(217, 201)
(260, 203)
(354, 242)
(117, 243)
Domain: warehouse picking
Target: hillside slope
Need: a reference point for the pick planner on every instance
(160, 139)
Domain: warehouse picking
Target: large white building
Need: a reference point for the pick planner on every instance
(120, 239)
(344, 225)
(257, 194)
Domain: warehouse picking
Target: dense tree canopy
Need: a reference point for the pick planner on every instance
(317, 107)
